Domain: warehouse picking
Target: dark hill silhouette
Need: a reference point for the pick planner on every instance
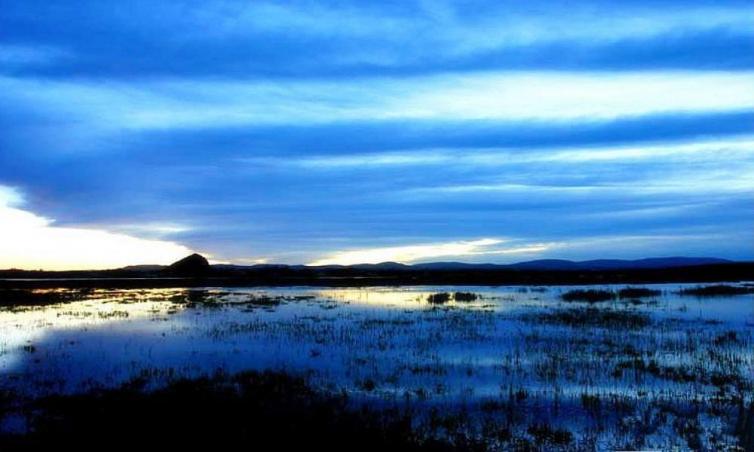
(617, 264)
(193, 265)
(143, 268)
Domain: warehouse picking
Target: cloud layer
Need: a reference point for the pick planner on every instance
(334, 132)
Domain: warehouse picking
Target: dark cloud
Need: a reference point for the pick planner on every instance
(328, 40)
(376, 136)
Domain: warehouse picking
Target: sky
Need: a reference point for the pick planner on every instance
(335, 132)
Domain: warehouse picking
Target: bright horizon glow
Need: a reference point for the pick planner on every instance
(31, 242)
(415, 253)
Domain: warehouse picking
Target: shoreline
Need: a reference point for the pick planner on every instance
(349, 277)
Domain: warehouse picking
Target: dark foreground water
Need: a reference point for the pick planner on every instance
(661, 369)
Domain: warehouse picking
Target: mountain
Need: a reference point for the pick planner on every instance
(648, 263)
(547, 264)
(381, 266)
(143, 268)
(193, 265)
(561, 264)
(455, 266)
(541, 264)
(197, 265)
(195, 270)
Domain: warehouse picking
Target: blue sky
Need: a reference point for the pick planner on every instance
(345, 132)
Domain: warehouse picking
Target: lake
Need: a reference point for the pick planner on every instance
(659, 368)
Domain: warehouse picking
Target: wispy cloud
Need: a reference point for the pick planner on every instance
(14, 56)
(700, 149)
(516, 96)
(323, 38)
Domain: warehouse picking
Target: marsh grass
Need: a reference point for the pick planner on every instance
(546, 434)
(261, 411)
(438, 298)
(445, 297)
(638, 292)
(263, 300)
(598, 295)
(530, 373)
(465, 296)
(588, 295)
(718, 290)
(593, 317)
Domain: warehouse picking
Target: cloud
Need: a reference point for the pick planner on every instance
(720, 183)
(317, 203)
(336, 39)
(512, 96)
(700, 149)
(672, 242)
(14, 56)
(32, 242)
(294, 130)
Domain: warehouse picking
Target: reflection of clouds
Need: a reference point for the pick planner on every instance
(82, 343)
(380, 297)
(391, 335)
(416, 297)
(27, 326)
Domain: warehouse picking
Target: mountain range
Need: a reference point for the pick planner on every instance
(542, 264)
(196, 271)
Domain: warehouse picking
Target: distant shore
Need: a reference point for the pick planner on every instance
(350, 276)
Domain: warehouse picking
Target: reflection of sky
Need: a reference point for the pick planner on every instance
(350, 131)
(341, 335)
(27, 325)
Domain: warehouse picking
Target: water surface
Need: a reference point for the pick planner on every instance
(518, 354)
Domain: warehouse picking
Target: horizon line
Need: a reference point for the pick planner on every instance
(406, 264)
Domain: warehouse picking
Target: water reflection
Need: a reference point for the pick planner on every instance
(392, 345)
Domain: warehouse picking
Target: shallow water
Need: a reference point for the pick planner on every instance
(519, 353)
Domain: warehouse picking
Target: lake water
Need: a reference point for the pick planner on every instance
(623, 371)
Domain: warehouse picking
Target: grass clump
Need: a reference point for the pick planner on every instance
(589, 295)
(592, 317)
(546, 434)
(263, 301)
(247, 411)
(438, 298)
(465, 296)
(444, 297)
(637, 292)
